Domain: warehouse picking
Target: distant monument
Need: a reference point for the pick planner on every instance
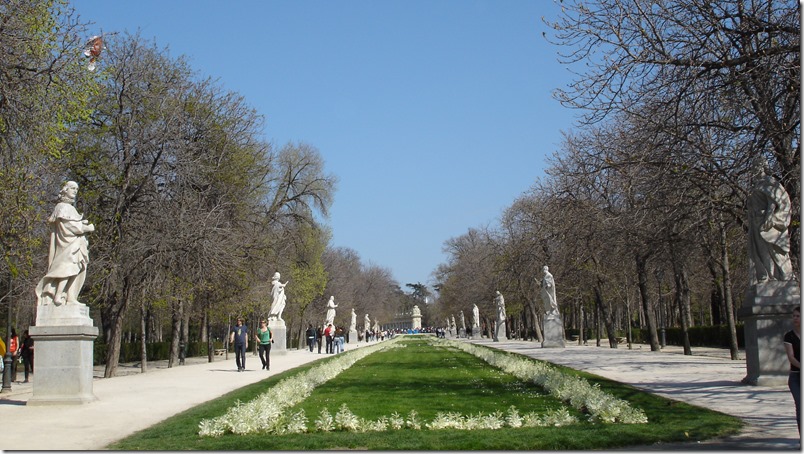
(773, 291)
(462, 329)
(275, 321)
(553, 325)
(64, 333)
(353, 328)
(499, 329)
(416, 321)
(476, 334)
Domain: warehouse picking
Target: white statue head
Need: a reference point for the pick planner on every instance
(276, 276)
(68, 191)
(545, 269)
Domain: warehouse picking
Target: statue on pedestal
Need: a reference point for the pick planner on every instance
(353, 326)
(475, 317)
(278, 298)
(768, 220)
(68, 256)
(500, 328)
(499, 303)
(64, 333)
(330, 311)
(549, 293)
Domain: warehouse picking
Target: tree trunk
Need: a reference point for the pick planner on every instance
(185, 329)
(113, 348)
(606, 316)
(650, 317)
(597, 324)
(143, 339)
(204, 326)
(536, 323)
(175, 332)
(727, 296)
(116, 304)
(210, 345)
(682, 302)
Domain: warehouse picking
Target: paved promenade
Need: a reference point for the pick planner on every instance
(134, 401)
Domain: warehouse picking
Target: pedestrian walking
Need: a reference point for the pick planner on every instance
(310, 337)
(265, 339)
(27, 354)
(329, 334)
(14, 348)
(239, 337)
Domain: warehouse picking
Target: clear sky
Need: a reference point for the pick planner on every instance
(434, 115)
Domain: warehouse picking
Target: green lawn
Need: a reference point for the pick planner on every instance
(429, 380)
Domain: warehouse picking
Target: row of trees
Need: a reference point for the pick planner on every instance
(641, 216)
(194, 211)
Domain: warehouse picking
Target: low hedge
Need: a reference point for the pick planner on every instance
(700, 336)
(155, 351)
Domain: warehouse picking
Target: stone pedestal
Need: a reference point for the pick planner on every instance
(767, 315)
(499, 332)
(279, 335)
(353, 338)
(553, 332)
(75, 314)
(417, 322)
(476, 332)
(63, 364)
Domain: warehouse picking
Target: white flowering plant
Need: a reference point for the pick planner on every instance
(267, 413)
(576, 391)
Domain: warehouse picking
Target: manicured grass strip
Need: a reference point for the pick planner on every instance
(669, 421)
(428, 379)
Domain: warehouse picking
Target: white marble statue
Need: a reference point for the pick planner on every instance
(366, 323)
(416, 311)
(353, 325)
(463, 322)
(549, 293)
(330, 311)
(278, 298)
(475, 317)
(768, 220)
(499, 303)
(68, 256)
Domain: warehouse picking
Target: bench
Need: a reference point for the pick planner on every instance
(574, 337)
(621, 340)
(220, 351)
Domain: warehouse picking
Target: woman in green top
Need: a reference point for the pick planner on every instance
(264, 339)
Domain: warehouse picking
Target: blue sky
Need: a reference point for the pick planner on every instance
(434, 115)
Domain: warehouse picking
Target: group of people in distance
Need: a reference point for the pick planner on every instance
(331, 337)
(20, 352)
